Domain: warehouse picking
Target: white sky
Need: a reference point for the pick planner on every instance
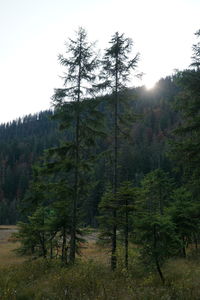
(33, 33)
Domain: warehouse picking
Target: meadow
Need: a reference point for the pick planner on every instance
(91, 278)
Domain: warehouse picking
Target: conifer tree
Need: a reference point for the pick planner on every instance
(185, 213)
(80, 64)
(196, 52)
(116, 71)
(156, 230)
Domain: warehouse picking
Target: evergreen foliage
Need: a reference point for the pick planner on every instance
(116, 70)
(155, 229)
(80, 116)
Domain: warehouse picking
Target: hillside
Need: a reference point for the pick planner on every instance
(21, 143)
(24, 140)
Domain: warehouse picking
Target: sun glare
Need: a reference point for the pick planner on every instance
(150, 85)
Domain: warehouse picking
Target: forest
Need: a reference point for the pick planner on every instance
(120, 162)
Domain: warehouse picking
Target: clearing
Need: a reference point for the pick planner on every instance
(7, 255)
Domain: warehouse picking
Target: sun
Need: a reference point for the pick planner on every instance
(150, 84)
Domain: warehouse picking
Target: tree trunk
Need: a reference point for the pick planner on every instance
(76, 175)
(183, 248)
(51, 248)
(114, 233)
(196, 241)
(156, 257)
(43, 246)
(63, 245)
(160, 201)
(126, 236)
(76, 197)
(159, 270)
(114, 240)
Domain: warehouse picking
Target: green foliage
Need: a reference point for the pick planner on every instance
(123, 204)
(196, 52)
(75, 158)
(185, 152)
(155, 229)
(186, 144)
(115, 73)
(22, 142)
(116, 62)
(106, 219)
(156, 191)
(65, 170)
(127, 196)
(185, 214)
(35, 235)
(157, 235)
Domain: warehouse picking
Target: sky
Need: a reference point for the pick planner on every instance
(34, 32)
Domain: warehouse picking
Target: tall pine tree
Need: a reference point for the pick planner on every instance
(80, 63)
(116, 71)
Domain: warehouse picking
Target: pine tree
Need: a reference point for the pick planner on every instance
(156, 230)
(196, 52)
(81, 64)
(185, 212)
(116, 71)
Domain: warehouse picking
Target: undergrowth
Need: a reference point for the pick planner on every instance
(45, 279)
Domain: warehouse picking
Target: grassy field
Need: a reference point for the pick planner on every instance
(91, 278)
(7, 255)
(90, 251)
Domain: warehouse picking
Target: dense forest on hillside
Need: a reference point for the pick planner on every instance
(23, 141)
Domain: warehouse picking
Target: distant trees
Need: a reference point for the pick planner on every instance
(185, 151)
(187, 133)
(21, 143)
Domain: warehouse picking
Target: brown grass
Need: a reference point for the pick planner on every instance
(7, 255)
(11, 227)
(91, 278)
(92, 251)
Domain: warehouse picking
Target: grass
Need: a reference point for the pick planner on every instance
(91, 278)
(43, 279)
(7, 255)
(91, 251)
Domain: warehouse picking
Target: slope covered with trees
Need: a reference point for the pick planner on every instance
(23, 141)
